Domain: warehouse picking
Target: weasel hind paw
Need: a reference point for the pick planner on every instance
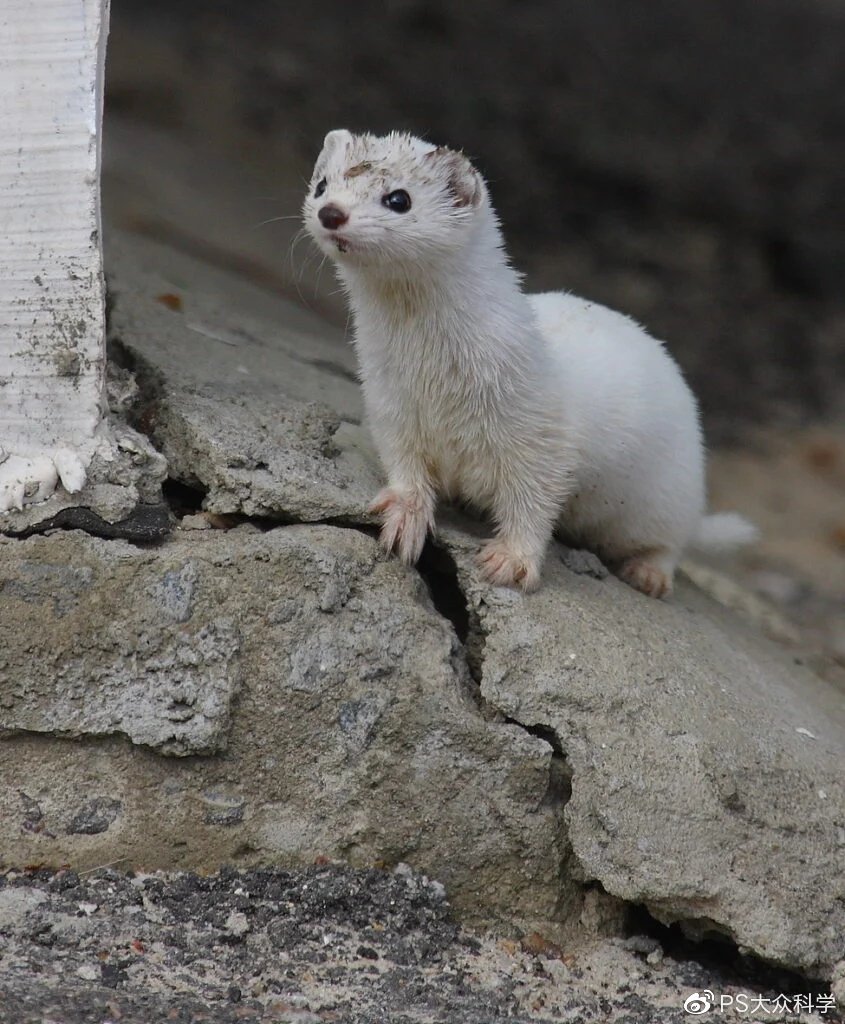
(647, 576)
(503, 567)
(405, 523)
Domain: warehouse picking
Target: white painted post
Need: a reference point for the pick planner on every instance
(52, 329)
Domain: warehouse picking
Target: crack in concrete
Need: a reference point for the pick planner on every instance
(439, 572)
(683, 938)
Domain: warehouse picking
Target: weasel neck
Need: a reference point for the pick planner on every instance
(477, 281)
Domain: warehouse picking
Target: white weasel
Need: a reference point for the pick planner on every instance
(552, 412)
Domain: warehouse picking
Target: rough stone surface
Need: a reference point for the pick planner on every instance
(250, 399)
(116, 654)
(703, 767)
(705, 764)
(329, 944)
(334, 696)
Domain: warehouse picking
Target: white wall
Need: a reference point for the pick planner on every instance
(52, 344)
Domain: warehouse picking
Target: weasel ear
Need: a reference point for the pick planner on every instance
(338, 139)
(463, 181)
(334, 140)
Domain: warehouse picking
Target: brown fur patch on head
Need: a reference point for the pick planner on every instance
(358, 169)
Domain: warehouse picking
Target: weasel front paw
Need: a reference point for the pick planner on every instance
(503, 567)
(406, 520)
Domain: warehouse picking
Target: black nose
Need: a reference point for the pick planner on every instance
(332, 217)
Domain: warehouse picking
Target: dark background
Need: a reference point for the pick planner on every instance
(681, 160)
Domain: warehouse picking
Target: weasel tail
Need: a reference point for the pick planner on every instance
(724, 531)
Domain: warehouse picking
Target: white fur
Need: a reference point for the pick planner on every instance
(723, 532)
(550, 411)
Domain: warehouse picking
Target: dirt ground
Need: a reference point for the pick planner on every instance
(791, 483)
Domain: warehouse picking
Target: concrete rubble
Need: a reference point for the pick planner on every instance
(278, 691)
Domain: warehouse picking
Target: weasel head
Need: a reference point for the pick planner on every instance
(391, 203)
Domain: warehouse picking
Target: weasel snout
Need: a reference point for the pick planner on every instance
(332, 217)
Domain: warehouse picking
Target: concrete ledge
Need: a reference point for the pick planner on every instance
(279, 691)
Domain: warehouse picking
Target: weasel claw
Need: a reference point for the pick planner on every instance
(503, 567)
(405, 523)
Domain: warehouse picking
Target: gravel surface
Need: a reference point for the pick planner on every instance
(326, 944)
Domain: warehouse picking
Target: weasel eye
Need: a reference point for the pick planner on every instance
(320, 189)
(398, 201)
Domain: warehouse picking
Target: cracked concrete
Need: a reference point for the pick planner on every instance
(321, 700)
(339, 711)
(258, 408)
(704, 764)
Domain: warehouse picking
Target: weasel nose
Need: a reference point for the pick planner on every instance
(332, 217)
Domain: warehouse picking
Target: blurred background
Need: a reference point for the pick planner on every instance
(680, 160)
